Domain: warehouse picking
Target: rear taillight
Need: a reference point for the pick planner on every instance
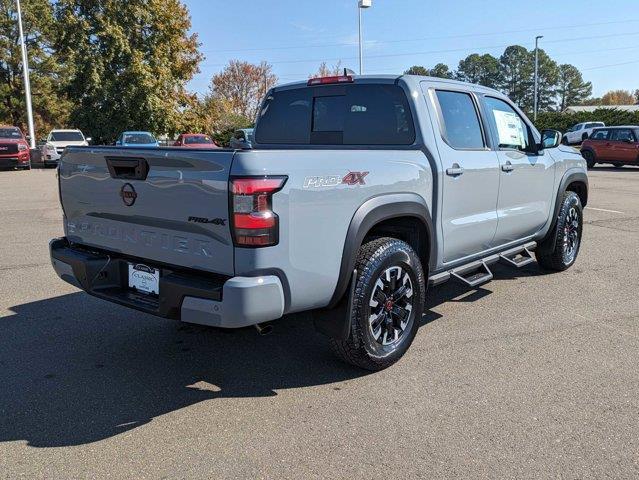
(254, 222)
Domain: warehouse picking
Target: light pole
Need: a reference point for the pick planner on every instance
(537, 38)
(25, 72)
(361, 4)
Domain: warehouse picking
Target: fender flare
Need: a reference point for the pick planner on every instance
(571, 176)
(370, 213)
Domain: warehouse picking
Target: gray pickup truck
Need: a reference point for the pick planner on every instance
(358, 194)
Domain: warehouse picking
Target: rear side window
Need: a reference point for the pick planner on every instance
(337, 115)
(599, 135)
(460, 123)
(623, 134)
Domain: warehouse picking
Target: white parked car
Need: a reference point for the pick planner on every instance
(58, 140)
(578, 133)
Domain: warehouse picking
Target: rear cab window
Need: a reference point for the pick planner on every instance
(352, 114)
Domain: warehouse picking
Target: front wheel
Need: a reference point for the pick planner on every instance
(387, 304)
(566, 236)
(617, 165)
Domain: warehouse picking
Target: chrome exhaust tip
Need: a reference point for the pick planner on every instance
(263, 329)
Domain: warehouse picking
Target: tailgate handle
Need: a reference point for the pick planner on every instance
(128, 168)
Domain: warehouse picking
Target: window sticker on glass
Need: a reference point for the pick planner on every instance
(510, 129)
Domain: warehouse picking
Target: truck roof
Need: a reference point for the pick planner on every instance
(392, 78)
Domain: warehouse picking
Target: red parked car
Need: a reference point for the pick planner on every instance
(14, 149)
(616, 145)
(195, 140)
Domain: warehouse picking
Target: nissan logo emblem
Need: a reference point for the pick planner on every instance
(128, 194)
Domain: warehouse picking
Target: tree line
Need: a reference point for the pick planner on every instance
(559, 85)
(116, 65)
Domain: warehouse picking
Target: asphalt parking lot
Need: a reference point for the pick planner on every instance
(531, 376)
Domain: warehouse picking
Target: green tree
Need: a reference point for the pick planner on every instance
(441, 70)
(548, 82)
(480, 69)
(571, 88)
(128, 63)
(517, 70)
(417, 70)
(46, 75)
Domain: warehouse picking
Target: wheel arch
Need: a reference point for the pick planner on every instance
(405, 216)
(576, 181)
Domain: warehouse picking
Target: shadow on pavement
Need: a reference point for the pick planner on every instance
(76, 370)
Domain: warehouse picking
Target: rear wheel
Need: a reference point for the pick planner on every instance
(617, 165)
(589, 156)
(566, 236)
(387, 304)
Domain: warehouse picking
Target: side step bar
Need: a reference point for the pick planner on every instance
(473, 274)
(478, 272)
(518, 257)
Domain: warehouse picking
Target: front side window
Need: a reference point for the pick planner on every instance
(623, 135)
(460, 123)
(510, 129)
(599, 135)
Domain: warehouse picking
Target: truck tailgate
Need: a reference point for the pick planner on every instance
(159, 205)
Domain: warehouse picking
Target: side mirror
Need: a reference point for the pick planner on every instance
(88, 139)
(550, 139)
(118, 142)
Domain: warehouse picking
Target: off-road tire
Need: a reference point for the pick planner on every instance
(558, 258)
(374, 258)
(589, 156)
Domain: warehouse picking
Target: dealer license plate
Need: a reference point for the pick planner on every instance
(144, 279)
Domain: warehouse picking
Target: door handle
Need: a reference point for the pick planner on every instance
(507, 167)
(455, 170)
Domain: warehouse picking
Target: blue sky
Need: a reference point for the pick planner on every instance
(600, 38)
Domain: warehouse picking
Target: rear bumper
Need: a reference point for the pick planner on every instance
(193, 298)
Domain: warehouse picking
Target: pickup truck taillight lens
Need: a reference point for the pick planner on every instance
(254, 222)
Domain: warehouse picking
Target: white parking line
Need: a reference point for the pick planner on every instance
(604, 210)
